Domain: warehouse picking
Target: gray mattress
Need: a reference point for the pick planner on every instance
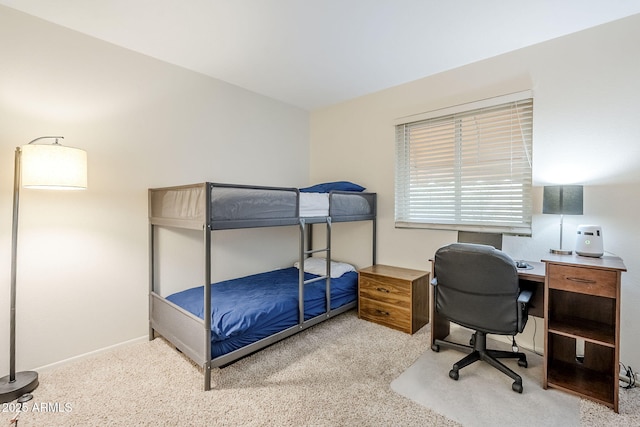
(251, 204)
(229, 203)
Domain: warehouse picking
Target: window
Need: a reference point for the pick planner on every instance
(467, 167)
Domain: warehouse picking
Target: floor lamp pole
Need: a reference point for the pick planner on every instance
(15, 384)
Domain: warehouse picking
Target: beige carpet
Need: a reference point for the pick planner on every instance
(337, 373)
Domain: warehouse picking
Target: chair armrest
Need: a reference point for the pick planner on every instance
(525, 296)
(523, 308)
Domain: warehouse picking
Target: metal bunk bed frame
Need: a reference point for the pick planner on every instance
(192, 335)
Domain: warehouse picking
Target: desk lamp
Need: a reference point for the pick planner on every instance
(43, 166)
(562, 200)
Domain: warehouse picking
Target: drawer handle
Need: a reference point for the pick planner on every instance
(384, 313)
(579, 280)
(383, 290)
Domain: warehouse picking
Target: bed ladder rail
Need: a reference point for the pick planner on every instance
(305, 251)
(315, 279)
(315, 251)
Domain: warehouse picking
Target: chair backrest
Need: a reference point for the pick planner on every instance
(477, 287)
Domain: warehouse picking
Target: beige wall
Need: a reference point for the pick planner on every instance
(586, 131)
(83, 256)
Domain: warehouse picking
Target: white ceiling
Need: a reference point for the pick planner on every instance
(316, 53)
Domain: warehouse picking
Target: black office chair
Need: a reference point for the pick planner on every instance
(476, 286)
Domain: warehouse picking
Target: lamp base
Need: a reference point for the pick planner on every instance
(25, 382)
(560, 252)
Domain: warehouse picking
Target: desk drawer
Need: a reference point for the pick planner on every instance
(385, 314)
(390, 291)
(582, 280)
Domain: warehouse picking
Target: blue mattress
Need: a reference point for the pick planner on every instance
(250, 308)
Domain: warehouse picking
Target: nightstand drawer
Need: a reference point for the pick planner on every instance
(385, 314)
(582, 280)
(386, 290)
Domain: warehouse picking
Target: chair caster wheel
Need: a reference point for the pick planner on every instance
(453, 374)
(523, 363)
(517, 387)
(435, 347)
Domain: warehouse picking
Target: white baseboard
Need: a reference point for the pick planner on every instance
(90, 354)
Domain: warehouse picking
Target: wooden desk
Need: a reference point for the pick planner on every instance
(579, 299)
(530, 279)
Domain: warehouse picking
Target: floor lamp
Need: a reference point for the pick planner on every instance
(44, 166)
(562, 200)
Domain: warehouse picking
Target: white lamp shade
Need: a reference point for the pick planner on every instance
(54, 167)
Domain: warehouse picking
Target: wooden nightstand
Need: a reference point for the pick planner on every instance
(393, 296)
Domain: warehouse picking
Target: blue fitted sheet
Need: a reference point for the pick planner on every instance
(250, 308)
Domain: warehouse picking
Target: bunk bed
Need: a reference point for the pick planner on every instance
(217, 324)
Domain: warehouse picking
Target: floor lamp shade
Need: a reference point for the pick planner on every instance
(50, 166)
(562, 200)
(54, 167)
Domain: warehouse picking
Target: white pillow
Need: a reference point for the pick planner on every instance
(318, 266)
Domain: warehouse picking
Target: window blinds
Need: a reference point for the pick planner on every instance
(467, 170)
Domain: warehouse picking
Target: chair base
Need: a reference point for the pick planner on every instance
(478, 351)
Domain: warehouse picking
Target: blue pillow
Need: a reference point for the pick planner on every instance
(330, 186)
